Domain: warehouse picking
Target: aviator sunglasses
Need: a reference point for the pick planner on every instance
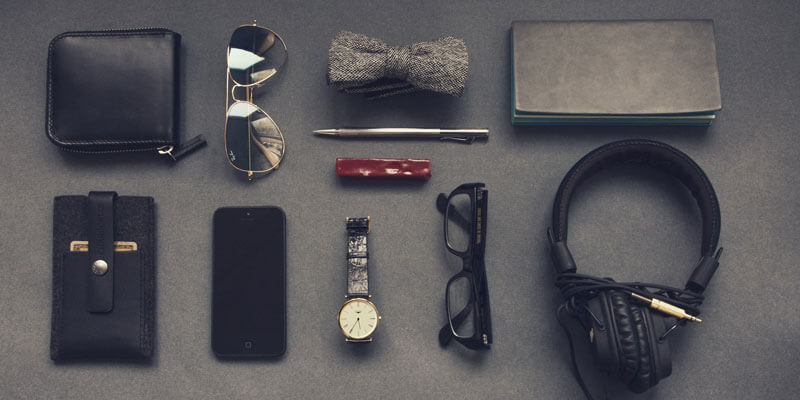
(253, 142)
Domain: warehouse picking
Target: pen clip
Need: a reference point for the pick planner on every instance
(460, 139)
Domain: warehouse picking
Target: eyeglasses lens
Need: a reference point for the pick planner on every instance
(459, 216)
(461, 307)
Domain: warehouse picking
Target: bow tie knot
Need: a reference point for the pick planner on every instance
(360, 64)
(397, 62)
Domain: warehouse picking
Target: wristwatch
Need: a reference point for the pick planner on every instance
(358, 317)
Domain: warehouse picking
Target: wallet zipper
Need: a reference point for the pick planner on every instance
(183, 149)
(175, 152)
(159, 149)
(136, 30)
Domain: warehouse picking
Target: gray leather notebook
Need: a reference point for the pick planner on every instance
(614, 72)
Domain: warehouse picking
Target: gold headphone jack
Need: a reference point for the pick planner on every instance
(666, 308)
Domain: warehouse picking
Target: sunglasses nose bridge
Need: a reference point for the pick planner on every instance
(248, 93)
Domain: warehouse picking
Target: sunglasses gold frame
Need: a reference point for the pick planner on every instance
(230, 91)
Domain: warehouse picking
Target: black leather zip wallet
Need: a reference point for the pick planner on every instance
(116, 91)
(103, 277)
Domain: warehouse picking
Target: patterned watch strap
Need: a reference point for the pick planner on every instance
(357, 255)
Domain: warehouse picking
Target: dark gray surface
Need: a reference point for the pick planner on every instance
(627, 225)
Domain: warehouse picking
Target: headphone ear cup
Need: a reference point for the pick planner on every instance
(627, 334)
(598, 320)
(657, 325)
(643, 379)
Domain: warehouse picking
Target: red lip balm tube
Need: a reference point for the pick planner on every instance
(384, 168)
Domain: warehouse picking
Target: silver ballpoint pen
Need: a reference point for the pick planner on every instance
(461, 135)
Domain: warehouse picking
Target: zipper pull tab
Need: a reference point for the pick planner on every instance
(166, 150)
(182, 150)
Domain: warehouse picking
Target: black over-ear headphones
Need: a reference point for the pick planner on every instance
(628, 323)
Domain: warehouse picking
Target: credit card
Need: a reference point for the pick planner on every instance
(83, 245)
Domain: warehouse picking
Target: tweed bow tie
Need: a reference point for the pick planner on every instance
(361, 64)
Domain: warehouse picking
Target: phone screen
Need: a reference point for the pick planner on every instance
(249, 282)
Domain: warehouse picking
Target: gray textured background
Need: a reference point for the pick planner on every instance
(624, 224)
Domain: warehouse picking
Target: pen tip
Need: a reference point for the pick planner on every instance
(325, 131)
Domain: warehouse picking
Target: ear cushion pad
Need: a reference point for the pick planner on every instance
(643, 379)
(627, 336)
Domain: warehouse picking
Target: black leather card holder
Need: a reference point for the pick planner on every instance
(103, 299)
(111, 91)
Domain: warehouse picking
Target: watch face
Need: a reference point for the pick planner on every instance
(358, 318)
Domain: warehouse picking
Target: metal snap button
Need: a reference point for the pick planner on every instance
(99, 267)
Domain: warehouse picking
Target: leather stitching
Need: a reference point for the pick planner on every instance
(58, 297)
(142, 327)
(149, 283)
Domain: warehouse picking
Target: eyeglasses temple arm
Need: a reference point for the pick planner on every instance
(445, 334)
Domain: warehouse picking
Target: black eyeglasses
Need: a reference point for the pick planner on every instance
(253, 142)
(467, 294)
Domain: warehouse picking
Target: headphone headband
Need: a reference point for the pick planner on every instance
(657, 155)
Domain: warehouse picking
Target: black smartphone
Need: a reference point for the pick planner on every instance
(249, 282)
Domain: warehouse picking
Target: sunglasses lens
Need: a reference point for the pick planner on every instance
(254, 55)
(253, 141)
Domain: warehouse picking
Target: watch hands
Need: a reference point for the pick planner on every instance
(354, 325)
